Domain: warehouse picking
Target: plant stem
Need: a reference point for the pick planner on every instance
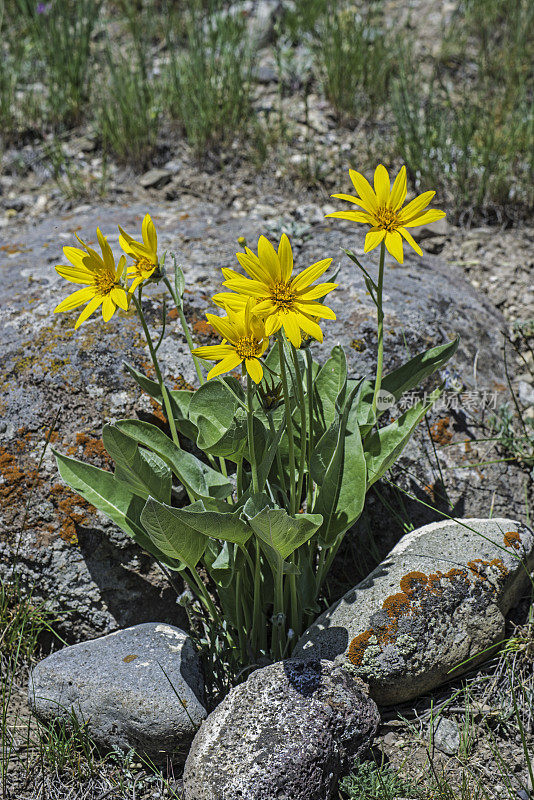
(309, 384)
(163, 388)
(380, 327)
(303, 434)
(278, 611)
(289, 424)
(250, 431)
(185, 328)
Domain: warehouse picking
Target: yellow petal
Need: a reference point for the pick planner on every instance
(394, 245)
(108, 308)
(254, 369)
(91, 306)
(316, 292)
(75, 275)
(75, 299)
(285, 256)
(107, 253)
(226, 365)
(119, 297)
(120, 268)
(350, 198)
(310, 274)
(352, 216)
(214, 352)
(363, 187)
(373, 239)
(382, 185)
(236, 302)
(80, 259)
(150, 237)
(273, 324)
(398, 193)
(316, 310)
(310, 327)
(411, 241)
(223, 326)
(265, 307)
(249, 288)
(429, 216)
(291, 329)
(250, 265)
(269, 259)
(415, 206)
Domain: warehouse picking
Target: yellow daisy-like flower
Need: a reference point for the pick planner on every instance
(99, 275)
(244, 341)
(285, 302)
(382, 210)
(144, 254)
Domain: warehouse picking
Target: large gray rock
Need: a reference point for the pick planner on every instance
(288, 733)
(438, 599)
(84, 565)
(139, 688)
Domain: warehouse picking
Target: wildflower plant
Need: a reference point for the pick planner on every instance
(280, 457)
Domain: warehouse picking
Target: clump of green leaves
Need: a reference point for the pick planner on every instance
(208, 80)
(469, 129)
(369, 780)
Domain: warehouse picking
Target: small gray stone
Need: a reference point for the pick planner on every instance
(288, 733)
(445, 589)
(446, 736)
(155, 178)
(138, 688)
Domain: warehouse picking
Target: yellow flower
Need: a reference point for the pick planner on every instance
(244, 341)
(283, 301)
(381, 209)
(100, 277)
(145, 253)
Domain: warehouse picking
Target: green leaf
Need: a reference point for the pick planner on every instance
(114, 499)
(220, 562)
(384, 446)
(227, 526)
(145, 472)
(203, 480)
(171, 535)
(401, 380)
(282, 532)
(329, 387)
(220, 419)
(338, 466)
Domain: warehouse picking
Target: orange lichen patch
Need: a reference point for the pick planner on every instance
(439, 431)
(203, 328)
(512, 539)
(409, 582)
(157, 411)
(17, 477)
(172, 315)
(181, 383)
(72, 510)
(479, 567)
(93, 449)
(14, 247)
(417, 589)
(127, 659)
(358, 647)
(396, 604)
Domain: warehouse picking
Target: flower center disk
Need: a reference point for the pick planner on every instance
(386, 219)
(282, 295)
(104, 283)
(248, 347)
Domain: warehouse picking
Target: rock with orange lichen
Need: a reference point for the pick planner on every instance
(437, 600)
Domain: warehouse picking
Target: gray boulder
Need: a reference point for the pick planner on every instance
(86, 566)
(438, 599)
(289, 732)
(139, 688)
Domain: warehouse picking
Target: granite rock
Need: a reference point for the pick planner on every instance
(139, 688)
(439, 598)
(288, 732)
